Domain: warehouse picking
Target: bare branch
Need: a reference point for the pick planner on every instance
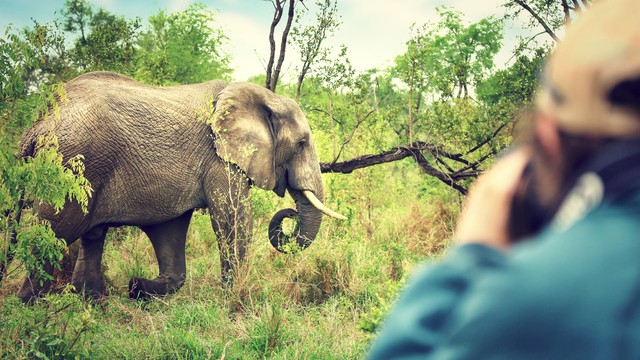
(429, 170)
(399, 153)
(577, 7)
(541, 21)
(474, 166)
(326, 113)
(344, 143)
(525, 44)
(347, 167)
(485, 141)
(567, 12)
(277, 15)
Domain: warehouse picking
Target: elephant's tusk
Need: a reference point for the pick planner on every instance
(320, 206)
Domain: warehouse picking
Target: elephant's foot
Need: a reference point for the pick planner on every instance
(144, 288)
(91, 289)
(32, 291)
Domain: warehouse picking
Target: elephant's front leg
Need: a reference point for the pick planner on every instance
(232, 223)
(168, 241)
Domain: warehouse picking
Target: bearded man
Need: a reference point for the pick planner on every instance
(548, 258)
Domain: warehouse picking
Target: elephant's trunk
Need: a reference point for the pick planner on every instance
(307, 226)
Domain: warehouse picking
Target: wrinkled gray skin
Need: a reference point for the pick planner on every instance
(152, 159)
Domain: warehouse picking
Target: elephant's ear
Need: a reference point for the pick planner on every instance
(243, 133)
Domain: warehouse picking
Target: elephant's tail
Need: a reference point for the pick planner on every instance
(28, 143)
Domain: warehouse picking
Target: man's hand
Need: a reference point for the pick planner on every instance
(485, 216)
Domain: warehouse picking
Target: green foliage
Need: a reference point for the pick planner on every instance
(182, 48)
(309, 39)
(448, 58)
(49, 250)
(60, 327)
(371, 320)
(46, 177)
(106, 42)
(110, 45)
(516, 84)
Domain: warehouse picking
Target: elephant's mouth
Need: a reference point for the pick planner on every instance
(309, 215)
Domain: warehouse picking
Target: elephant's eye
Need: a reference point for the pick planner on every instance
(302, 144)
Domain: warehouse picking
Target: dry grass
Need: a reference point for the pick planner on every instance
(429, 232)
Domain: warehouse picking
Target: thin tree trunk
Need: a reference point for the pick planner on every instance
(411, 83)
(283, 46)
(272, 42)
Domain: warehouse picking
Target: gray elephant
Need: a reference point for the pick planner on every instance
(153, 155)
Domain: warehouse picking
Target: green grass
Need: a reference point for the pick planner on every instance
(325, 302)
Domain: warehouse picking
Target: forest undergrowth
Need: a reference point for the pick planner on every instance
(325, 302)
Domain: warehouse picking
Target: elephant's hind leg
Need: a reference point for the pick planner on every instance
(87, 274)
(32, 289)
(168, 241)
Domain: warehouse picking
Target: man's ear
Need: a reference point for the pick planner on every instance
(547, 133)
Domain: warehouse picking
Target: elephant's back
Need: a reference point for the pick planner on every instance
(139, 143)
(104, 102)
(108, 91)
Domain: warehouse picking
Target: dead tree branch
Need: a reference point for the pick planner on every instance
(414, 150)
(419, 150)
(539, 19)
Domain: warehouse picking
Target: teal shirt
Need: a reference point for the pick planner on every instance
(563, 295)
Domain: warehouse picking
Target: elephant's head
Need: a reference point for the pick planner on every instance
(268, 137)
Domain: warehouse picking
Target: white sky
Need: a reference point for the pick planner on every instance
(374, 31)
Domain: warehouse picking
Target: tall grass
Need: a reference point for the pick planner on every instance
(325, 302)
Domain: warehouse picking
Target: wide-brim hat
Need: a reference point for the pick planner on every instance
(600, 50)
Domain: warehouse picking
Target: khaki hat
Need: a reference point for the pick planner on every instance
(601, 49)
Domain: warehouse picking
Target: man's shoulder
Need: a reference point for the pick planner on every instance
(587, 263)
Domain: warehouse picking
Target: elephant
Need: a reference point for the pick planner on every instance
(154, 154)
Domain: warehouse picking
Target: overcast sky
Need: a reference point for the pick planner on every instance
(375, 31)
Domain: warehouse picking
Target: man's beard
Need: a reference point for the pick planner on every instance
(552, 174)
(546, 181)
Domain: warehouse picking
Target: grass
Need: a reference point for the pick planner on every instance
(325, 302)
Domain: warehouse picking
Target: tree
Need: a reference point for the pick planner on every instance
(551, 15)
(309, 39)
(52, 61)
(412, 68)
(111, 44)
(47, 177)
(514, 85)
(77, 16)
(107, 42)
(445, 59)
(331, 78)
(182, 48)
(441, 69)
